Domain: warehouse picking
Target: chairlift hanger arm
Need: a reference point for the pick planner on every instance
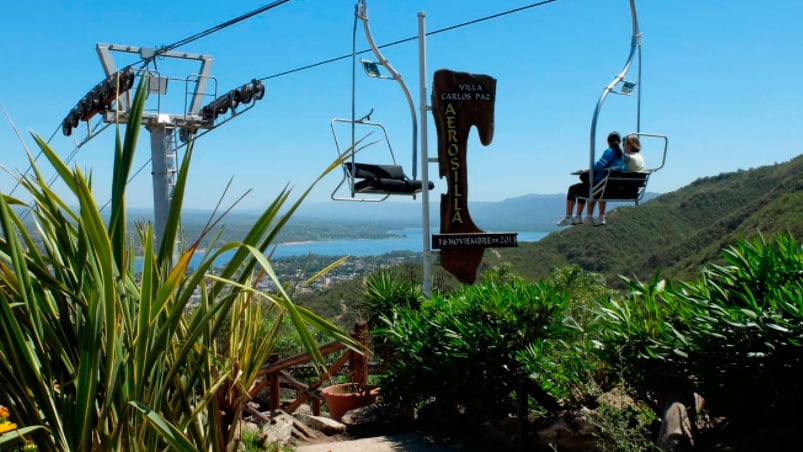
(361, 12)
(635, 45)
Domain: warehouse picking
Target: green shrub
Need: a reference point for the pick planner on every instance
(746, 344)
(640, 338)
(567, 365)
(735, 336)
(462, 350)
(623, 429)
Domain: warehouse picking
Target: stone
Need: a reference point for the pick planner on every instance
(377, 419)
(303, 409)
(575, 435)
(277, 432)
(324, 424)
(617, 399)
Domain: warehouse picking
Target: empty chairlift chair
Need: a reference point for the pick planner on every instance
(376, 181)
(373, 182)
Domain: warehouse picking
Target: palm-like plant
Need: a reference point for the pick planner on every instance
(735, 336)
(103, 356)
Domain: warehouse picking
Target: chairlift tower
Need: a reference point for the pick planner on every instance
(169, 132)
(161, 126)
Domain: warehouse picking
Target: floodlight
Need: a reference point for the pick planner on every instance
(627, 87)
(371, 68)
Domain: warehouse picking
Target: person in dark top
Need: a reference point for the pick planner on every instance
(613, 157)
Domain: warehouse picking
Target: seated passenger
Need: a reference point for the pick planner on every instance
(611, 158)
(633, 161)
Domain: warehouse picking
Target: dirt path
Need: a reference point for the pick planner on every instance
(414, 442)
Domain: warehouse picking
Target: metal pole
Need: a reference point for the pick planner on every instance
(635, 44)
(422, 74)
(161, 145)
(395, 75)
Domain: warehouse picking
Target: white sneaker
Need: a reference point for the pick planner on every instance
(566, 221)
(577, 219)
(599, 221)
(588, 220)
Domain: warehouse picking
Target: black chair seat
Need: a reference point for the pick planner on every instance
(624, 185)
(621, 186)
(383, 179)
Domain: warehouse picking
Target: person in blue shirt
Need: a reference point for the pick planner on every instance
(631, 161)
(613, 157)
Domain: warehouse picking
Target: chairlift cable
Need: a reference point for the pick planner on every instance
(130, 179)
(208, 31)
(411, 38)
(276, 3)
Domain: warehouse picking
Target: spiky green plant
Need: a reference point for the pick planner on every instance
(735, 336)
(103, 356)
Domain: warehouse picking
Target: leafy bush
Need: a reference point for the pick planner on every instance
(640, 337)
(461, 350)
(567, 365)
(747, 341)
(736, 335)
(107, 357)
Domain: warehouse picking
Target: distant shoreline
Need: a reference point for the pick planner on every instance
(298, 242)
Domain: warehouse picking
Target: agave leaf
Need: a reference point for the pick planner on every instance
(170, 433)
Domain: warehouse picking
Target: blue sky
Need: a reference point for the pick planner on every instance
(722, 79)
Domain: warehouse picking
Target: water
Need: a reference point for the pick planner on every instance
(409, 239)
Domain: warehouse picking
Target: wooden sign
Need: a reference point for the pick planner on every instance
(460, 100)
(475, 240)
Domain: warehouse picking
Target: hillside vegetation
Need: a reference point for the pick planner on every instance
(675, 233)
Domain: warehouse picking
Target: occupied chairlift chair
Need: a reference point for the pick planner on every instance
(627, 186)
(376, 181)
(622, 186)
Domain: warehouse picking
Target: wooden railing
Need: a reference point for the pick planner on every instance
(277, 373)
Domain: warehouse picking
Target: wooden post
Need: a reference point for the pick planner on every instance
(273, 385)
(316, 406)
(359, 362)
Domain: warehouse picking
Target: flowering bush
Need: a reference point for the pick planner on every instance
(5, 424)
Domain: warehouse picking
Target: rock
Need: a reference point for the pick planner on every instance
(377, 419)
(575, 434)
(324, 424)
(303, 410)
(437, 416)
(277, 432)
(676, 433)
(617, 399)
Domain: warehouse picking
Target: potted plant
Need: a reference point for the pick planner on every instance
(343, 397)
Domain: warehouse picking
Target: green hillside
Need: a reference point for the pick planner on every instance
(674, 233)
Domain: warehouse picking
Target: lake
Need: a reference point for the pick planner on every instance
(409, 239)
